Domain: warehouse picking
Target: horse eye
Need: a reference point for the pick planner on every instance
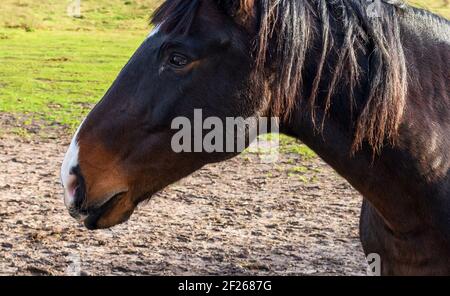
(178, 61)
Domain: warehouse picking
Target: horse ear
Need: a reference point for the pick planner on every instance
(242, 11)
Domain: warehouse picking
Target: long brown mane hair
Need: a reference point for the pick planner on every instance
(285, 32)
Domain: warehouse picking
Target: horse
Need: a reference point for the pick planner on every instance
(368, 92)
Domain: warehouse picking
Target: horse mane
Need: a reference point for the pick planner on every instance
(286, 31)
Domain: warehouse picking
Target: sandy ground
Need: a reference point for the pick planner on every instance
(239, 217)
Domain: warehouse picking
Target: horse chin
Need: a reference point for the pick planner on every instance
(116, 211)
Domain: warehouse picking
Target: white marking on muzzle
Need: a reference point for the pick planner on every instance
(68, 180)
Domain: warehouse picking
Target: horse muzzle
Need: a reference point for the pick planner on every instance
(95, 213)
(109, 213)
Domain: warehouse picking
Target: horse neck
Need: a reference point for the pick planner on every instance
(333, 140)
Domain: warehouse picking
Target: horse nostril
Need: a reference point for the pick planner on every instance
(76, 191)
(80, 189)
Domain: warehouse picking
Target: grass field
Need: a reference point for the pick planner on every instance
(55, 67)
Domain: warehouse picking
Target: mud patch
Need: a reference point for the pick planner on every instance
(238, 217)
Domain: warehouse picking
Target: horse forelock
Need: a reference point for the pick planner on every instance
(176, 16)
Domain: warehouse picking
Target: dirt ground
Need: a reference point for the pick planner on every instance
(239, 217)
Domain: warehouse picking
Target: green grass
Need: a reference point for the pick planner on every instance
(97, 15)
(55, 67)
(57, 76)
(291, 146)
